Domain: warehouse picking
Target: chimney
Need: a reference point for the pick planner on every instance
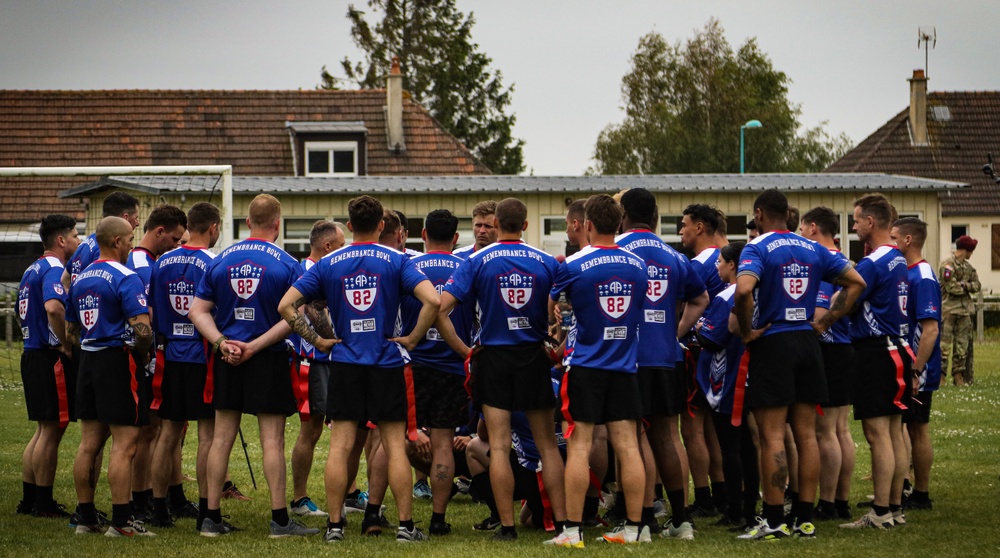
(918, 109)
(394, 108)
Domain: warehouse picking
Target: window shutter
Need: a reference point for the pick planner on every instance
(995, 246)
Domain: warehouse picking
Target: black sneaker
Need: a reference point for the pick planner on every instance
(188, 510)
(159, 520)
(77, 519)
(911, 504)
(489, 524)
(823, 513)
(439, 528)
(699, 510)
(24, 509)
(501, 535)
(372, 525)
(739, 523)
(53, 510)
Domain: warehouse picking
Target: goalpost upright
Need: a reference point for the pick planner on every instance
(225, 171)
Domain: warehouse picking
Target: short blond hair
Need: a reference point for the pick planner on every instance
(265, 209)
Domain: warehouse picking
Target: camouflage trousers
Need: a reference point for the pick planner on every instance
(956, 343)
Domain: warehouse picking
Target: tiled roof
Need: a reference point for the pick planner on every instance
(957, 150)
(692, 183)
(245, 129)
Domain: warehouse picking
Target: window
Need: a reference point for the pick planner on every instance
(331, 158)
(297, 237)
(670, 227)
(554, 239)
(958, 231)
(466, 235)
(414, 226)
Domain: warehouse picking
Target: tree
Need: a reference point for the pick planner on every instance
(443, 70)
(684, 106)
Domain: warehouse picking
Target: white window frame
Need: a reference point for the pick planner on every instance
(330, 147)
(557, 236)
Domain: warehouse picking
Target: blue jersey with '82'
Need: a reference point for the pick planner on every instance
(246, 282)
(511, 282)
(363, 285)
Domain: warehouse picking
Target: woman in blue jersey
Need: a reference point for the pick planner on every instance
(722, 378)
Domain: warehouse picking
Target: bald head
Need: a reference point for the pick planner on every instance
(114, 236)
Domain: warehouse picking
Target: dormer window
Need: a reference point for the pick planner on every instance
(331, 158)
(329, 148)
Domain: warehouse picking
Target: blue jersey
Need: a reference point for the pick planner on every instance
(523, 443)
(465, 251)
(174, 278)
(432, 351)
(511, 282)
(718, 371)
(670, 280)
(839, 332)
(706, 265)
(246, 282)
(925, 303)
(41, 282)
(86, 253)
(605, 285)
(881, 308)
(302, 347)
(363, 284)
(140, 260)
(788, 269)
(101, 300)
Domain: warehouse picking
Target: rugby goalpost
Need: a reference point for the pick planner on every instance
(225, 171)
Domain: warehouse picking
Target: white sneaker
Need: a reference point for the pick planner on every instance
(627, 534)
(306, 507)
(765, 532)
(870, 520)
(684, 531)
(571, 537)
(898, 518)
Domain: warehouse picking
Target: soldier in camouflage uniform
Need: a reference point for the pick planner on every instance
(959, 282)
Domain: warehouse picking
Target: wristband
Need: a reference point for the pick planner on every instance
(218, 343)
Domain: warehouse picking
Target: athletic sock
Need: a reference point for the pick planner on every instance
(630, 523)
(895, 507)
(176, 494)
(702, 496)
(43, 496)
(559, 525)
(880, 510)
(214, 515)
(719, 496)
(280, 516)
(160, 508)
(437, 517)
(803, 512)
(373, 509)
(676, 499)
(842, 507)
(28, 492)
(590, 505)
(512, 530)
(619, 509)
(120, 514)
(658, 491)
(202, 507)
(773, 514)
(648, 516)
(570, 524)
(88, 513)
(408, 524)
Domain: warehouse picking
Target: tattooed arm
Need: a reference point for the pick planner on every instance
(73, 333)
(289, 310)
(319, 318)
(143, 333)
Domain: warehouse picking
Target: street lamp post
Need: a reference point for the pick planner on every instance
(749, 124)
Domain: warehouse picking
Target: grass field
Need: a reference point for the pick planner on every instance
(963, 522)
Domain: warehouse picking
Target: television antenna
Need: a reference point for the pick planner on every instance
(926, 37)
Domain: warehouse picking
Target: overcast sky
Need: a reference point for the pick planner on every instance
(848, 60)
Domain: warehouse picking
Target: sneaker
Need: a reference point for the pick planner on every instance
(684, 531)
(187, 510)
(293, 529)
(698, 510)
(24, 509)
(305, 507)
(356, 503)
(334, 533)
(660, 509)
(822, 513)
(54, 510)
(731, 523)
(421, 490)
(607, 500)
(898, 518)
(372, 525)
(625, 534)
(763, 532)
(404, 535)
(230, 492)
(489, 524)
(645, 534)
(86, 529)
(77, 519)
(612, 518)
(134, 528)
(594, 521)
(911, 504)
(161, 521)
(870, 520)
(804, 531)
(571, 537)
(462, 484)
(439, 528)
(209, 528)
(500, 535)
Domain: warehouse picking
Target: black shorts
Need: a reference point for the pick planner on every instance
(513, 378)
(920, 411)
(785, 368)
(310, 384)
(662, 391)
(367, 393)
(261, 385)
(600, 396)
(441, 398)
(879, 385)
(110, 388)
(49, 380)
(838, 360)
(182, 392)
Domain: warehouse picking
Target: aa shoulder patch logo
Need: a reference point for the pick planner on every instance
(180, 294)
(615, 297)
(795, 279)
(244, 278)
(659, 281)
(361, 290)
(516, 288)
